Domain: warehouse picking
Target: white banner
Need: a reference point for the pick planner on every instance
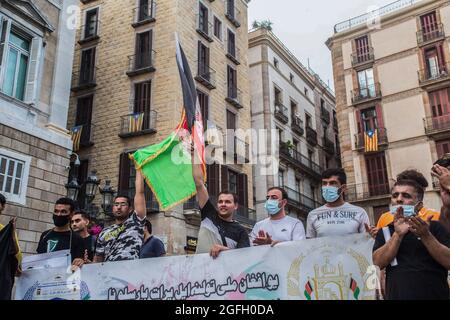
(335, 268)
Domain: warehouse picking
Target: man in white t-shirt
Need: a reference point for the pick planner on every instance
(278, 227)
(336, 217)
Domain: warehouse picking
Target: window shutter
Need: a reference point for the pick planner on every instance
(380, 119)
(358, 121)
(243, 190)
(33, 70)
(124, 172)
(224, 170)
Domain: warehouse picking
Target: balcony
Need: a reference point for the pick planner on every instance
(438, 127)
(281, 112)
(328, 145)
(362, 58)
(301, 202)
(297, 125)
(84, 79)
(233, 53)
(206, 76)
(233, 14)
(365, 191)
(435, 33)
(325, 114)
(300, 161)
(311, 136)
(89, 32)
(204, 28)
(369, 93)
(236, 147)
(433, 75)
(141, 63)
(86, 137)
(138, 124)
(381, 137)
(234, 97)
(144, 14)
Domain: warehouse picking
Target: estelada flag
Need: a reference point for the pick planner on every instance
(167, 166)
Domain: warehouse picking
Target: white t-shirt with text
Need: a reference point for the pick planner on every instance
(338, 221)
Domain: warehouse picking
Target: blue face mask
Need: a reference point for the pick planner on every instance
(330, 194)
(408, 210)
(272, 207)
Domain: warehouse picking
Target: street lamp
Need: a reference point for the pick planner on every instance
(107, 193)
(91, 184)
(73, 188)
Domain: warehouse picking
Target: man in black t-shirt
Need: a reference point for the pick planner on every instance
(218, 231)
(61, 237)
(415, 253)
(79, 223)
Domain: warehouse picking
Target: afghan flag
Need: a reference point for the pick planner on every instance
(167, 166)
(354, 287)
(308, 290)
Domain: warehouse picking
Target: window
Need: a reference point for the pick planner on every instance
(276, 63)
(291, 77)
(14, 169)
(295, 143)
(306, 92)
(230, 8)
(280, 136)
(429, 25)
(91, 26)
(231, 43)
(142, 102)
(442, 147)
(203, 61)
(327, 162)
(366, 83)
(297, 185)
(87, 71)
(145, 10)
(434, 62)
(144, 50)
(362, 49)
(308, 120)
(18, 55)
(236, 183)
(203, 19)
(232, 83)
(369, 119)
(294, 109)
(232, 181)
(440, 103)
(217, 28)
(281, 178)
(278, 97)
(377, 174)
(203, 100)
(84, 117)
(231, 120)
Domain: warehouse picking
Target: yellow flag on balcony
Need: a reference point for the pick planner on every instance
(136, 120)
(76, 137)
(371, 141)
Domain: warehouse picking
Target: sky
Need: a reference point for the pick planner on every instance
(304, 26)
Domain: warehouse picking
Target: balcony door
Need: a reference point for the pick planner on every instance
(366, 83)
(377, 174)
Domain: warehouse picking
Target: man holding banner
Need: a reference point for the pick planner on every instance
(415, 253)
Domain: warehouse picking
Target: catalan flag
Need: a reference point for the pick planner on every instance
(354, 287)
(371, 141)
(308, 290)
(76, 137)
(135, 122)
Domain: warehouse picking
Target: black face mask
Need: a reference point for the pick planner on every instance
(60, 221)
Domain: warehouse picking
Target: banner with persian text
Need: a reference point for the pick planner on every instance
(334, 268)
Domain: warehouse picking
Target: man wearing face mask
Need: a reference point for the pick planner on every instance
(61, 237)
(415, 252)
(336, 217)
(278, 227)
(423, 213)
